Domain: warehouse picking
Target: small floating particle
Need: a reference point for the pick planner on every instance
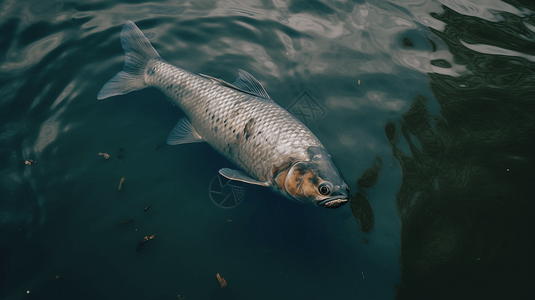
(181, 298)
(221, 280)
(29, 162)
(363, 275)
(147, 208)
(28, 291)
(57, 277)
(105, 155)
(121, 183)
(359, 82)
(120, 154)
(126, 222)
(507, 170)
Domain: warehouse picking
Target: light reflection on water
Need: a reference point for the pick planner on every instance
(367, 63)
(488, 49)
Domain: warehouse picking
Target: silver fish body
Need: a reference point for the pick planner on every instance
(240, 121)
(255, 133)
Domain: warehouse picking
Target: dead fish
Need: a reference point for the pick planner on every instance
(271, 146)
(147, 208)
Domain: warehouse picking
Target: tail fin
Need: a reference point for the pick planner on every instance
(138, 52)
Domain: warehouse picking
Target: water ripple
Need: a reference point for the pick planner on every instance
(448, 83)
(489, 10)
(16, 60)
(489, 49)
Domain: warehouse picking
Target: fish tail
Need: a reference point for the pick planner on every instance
(138, 53)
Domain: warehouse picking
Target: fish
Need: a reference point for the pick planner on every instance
(269, 145)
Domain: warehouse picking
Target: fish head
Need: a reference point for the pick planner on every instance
(317, 181)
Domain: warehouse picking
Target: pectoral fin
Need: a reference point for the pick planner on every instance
(183, 133)
(240, 176)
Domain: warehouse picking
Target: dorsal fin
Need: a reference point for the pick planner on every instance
(220, 81)
(245, 83)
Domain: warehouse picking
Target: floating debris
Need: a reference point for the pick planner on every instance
(147, 237)
(29, 162)
(120, 153)
(222, 281)
(359, 82)
(147, 208)
(143, 241)
(121, 183)
(126, 222)
(105, 155)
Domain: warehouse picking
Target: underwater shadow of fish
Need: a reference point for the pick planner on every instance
(360, 206)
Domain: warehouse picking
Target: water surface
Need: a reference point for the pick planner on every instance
(428, 111)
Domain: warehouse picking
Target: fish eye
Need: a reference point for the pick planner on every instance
(325, 188)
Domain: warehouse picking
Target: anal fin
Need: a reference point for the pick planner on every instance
(240, 176)
(183, 133)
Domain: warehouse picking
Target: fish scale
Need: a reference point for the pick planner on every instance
(219, 114)
(239, 120)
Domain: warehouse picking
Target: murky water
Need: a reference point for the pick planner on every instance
(426, 106)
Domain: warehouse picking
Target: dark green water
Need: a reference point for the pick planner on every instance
(428, 107)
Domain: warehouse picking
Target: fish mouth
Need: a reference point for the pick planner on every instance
(334, 202)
